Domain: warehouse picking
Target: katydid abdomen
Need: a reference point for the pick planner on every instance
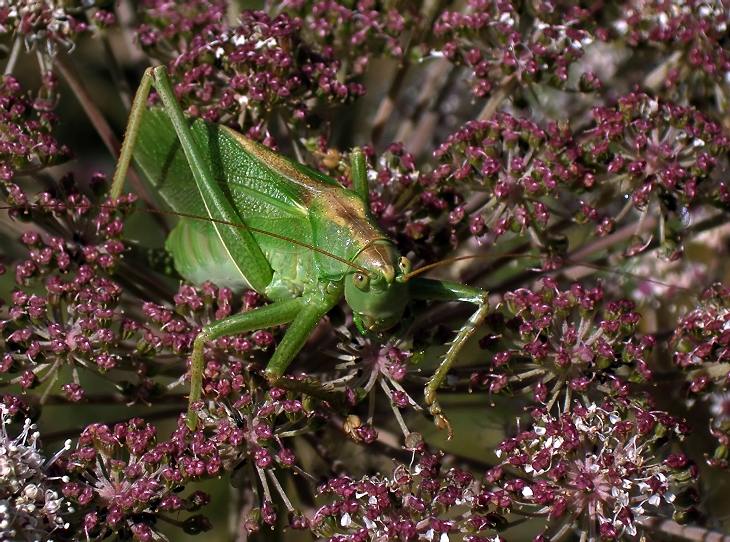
(200, 256)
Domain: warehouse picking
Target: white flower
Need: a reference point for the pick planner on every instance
(30, 504)
(720, 406)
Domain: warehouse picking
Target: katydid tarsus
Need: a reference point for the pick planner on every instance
(286, 230)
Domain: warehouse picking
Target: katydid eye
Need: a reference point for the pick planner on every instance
(361, 280)
(405, 265)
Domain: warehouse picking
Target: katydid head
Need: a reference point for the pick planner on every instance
(378, 294)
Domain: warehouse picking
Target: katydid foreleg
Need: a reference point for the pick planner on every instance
(440, 290)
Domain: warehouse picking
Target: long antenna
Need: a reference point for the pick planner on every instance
(217, 221)
(416, 272)
(424, 269)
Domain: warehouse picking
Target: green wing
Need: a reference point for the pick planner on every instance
(256, 190)
(270, 193)
(263, 199)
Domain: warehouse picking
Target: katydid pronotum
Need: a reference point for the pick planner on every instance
(279, 227)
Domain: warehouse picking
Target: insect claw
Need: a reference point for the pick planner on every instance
(439, 420)
(434, 408)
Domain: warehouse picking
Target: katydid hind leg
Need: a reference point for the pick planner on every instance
(282, 312)
(238, 240)
(439, 290)
(358, 172)
(130, 134)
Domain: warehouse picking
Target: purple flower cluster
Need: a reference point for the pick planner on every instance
(122, 479)
(555, 343)
(252, 424)
(597, 469)
(694, 35)
(26, 124)
(514, 174)
(239, 74)
(358, 32)
(423, 500)
(65, 310)
(701, 340)
(50, 25)
(395, 172)
(513, 164)
(700, 347)
(367, 368)
(504, 43)
(662, 153)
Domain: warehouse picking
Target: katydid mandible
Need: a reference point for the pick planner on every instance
(286, 230)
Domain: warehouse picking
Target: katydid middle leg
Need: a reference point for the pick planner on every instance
(262, 317)
(303, 312)
(441, 290)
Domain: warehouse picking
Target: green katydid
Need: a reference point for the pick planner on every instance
(279, 227)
